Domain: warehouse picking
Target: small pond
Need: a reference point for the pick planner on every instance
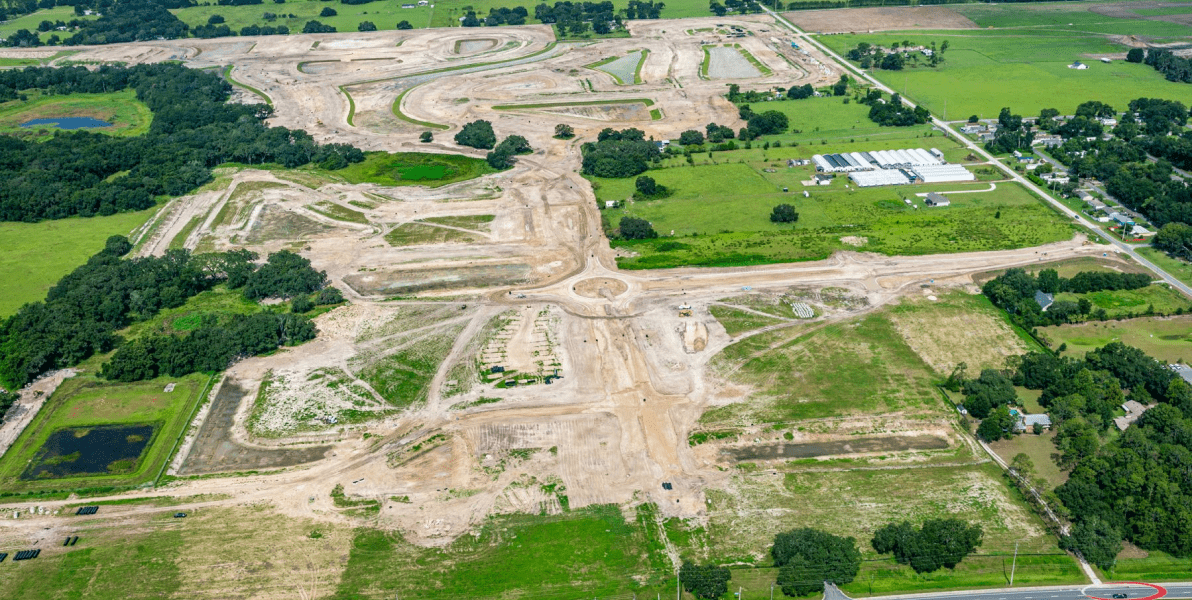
(74, 451)
(67, 123)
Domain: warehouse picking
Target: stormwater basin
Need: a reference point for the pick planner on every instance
(90, 451)
(67, 123)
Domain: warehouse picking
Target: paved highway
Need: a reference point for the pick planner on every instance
(977, 149)
(1133, 592)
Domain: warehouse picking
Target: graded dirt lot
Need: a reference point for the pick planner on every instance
(867, 20)
(605, 376)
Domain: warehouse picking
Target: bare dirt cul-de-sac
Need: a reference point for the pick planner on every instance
(608, 375)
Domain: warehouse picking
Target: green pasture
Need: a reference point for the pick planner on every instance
(30, 21)
(85, 401)
(34, 256)
(1165, 338)
(414, 168)
(128, 116)
(719, 214)
(1074, 17)
(1024, 70)
(830, 118)
(595, 551)
(385, 15)
(1040, 448)
(1157, 566)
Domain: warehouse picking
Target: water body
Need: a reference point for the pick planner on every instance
(67, 123)
(90, 451)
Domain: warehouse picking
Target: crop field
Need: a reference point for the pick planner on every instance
(127, 115)
(852, 368)
(80, 406)
(37, 255)
(1022, 69)
(1165, 338)
(413, 168)
(719, 216)
(857, 502)
(518, 556)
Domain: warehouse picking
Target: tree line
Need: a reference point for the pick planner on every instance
(1014, 292)
(82, 312)
(622, 153)
(194, 128)
(893, 113)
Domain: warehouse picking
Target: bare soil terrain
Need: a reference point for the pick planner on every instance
(865, 20)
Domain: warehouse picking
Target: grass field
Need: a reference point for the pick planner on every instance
(517, 556)
(852, 368)
(1155, 567)
(1162, 297)
(1177, 268)
(36, 255)
(218, 302)
(1039, 448)
(413, 168)
(1024, 69)
(719, 215)
(127, 115)
(1071, 17)
(739, 321)
(857, 502)
(30, 21)
(1165, 338)
(83, 402)
(385, 15)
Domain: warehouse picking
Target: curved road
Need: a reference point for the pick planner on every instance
(977, 149)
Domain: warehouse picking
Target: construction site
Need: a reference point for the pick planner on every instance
(489, 339)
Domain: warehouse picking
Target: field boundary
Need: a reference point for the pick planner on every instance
(228, 76)
(407, 118)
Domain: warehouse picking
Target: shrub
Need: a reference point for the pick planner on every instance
(477, 134)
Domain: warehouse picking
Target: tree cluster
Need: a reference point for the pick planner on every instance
(784, 213)
(743, 7)
(1014, 291)
(806, 558)
(622, 153)
(763, 123)
(477, 134)
(211, 347)
(869, 56)
(633, 228)
(317, 27)
(645, 188)
(129, 21)
(1013, 133)
(893, 113)
(938, 543)
(1174, 68)
(194, 128)
(502, 156)
(704, 581)
(83, 310)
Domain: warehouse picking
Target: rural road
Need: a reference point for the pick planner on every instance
(1132, 591)
(1122, 247)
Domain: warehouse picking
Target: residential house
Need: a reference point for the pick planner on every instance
(1078, 66)
(1028, 422)
(934, 199)
(1044, 299)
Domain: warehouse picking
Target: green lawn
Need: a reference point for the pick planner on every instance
(719, 215)
(1155, 567)
(593, 551)
(34, 256)
(1165, 338)
(1162, 297)
(85, 401)
(1026, 70)
(414, 168)
(128, 116)
(1039, 448)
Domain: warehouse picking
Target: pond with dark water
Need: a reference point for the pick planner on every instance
(108, 449)
(67, 123)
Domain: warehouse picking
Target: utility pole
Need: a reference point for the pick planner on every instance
(771, 591)
(1014, 564)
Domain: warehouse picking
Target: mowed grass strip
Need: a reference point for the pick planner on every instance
(84, 401)
(37, 255)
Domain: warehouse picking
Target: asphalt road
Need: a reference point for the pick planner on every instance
(1134, 592)
(1121, 247)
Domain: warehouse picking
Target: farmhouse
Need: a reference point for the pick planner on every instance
(1078, 66)
(1133, 410)
(934, 199)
